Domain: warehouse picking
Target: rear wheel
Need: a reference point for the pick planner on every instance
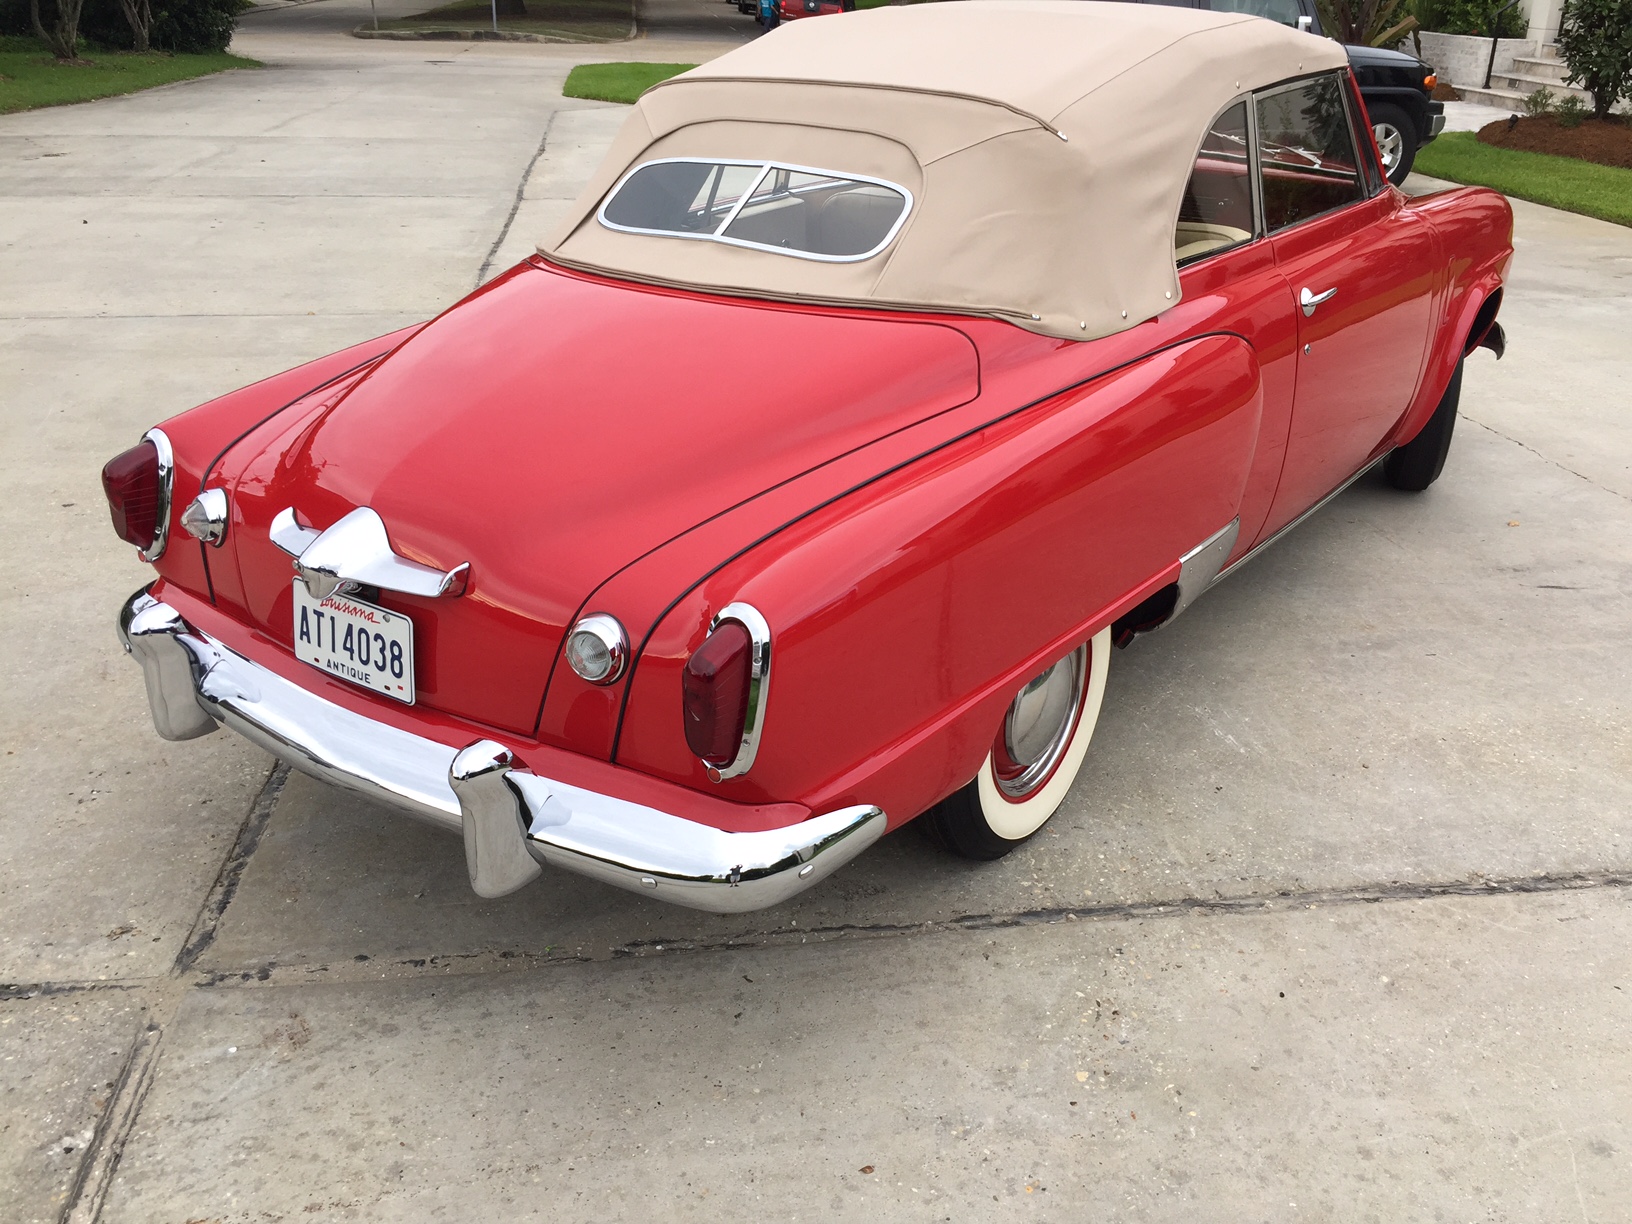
(1417, 464)
(1396, 140)
(1034, 759)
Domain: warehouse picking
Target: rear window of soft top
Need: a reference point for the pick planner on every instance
(768, 206)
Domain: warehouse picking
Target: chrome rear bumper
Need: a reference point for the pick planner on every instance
(512, 818)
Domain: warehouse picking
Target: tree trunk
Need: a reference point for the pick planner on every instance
(62, 36)
(139, 14)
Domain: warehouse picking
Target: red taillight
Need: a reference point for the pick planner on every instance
(715, 693)
(135, 488)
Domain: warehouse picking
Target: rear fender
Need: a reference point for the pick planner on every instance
(905, 615)
(201, 437)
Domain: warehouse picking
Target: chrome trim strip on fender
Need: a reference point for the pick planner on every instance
(1199, 567)
(356, 551)
(759, 688)
(167, 488)
(194, 682)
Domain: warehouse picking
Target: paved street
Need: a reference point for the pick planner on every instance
(1334, 926)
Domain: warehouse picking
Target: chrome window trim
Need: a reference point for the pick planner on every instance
(1254, 191)
(1256, 167)
(1299, 83)
(1373, 177)
(167, 486)
(765, 166)
(759, 687)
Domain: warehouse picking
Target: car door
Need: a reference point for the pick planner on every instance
(1359, 269)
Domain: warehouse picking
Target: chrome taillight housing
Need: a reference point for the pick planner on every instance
(724, 690)
(138, 484)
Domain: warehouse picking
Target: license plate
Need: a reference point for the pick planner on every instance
(356, 641)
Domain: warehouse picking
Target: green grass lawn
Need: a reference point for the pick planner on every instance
(560, 20)
(617, 82)
(30, 76)
(1569, 183)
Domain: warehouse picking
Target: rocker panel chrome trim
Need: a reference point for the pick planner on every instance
(195, 682)
(1263, 544)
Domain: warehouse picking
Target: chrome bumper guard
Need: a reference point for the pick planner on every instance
(512, 819)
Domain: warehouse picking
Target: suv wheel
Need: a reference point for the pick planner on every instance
(1396, 140)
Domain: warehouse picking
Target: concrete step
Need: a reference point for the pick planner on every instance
(1507, 99)
(1524, 84)
(1547, 69)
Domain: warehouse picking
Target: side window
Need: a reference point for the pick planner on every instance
(1306, 152)
(1216, 212)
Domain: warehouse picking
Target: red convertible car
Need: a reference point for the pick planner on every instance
(803, 481)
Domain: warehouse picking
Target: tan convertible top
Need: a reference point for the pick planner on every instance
(1045, 144)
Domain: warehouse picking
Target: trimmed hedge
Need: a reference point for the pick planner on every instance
(187, 26)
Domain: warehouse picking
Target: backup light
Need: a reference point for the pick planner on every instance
(598, 648)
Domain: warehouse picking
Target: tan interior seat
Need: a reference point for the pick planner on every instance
(856, 220)
(1198, 237)
(777, 222)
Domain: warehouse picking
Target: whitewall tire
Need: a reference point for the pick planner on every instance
(1035, 757)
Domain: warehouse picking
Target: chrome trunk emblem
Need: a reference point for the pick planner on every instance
(356, 552)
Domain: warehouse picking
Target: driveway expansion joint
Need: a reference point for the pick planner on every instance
(365, 968)
(515, 204)
(225, 887)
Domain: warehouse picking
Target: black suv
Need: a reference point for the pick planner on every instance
(1397, 88)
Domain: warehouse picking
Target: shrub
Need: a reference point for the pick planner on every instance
(1595, 39)
(1469, 17)
(178, 25)
(195, 26)
(1571, 111)
(1370, 23)
(1539, 103)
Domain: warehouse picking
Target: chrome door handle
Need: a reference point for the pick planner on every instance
(1310, 300)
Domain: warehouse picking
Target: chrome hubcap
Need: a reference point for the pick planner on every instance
(1039, 723)
(1389, 144)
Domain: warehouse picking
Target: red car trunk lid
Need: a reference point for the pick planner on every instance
(551, 429)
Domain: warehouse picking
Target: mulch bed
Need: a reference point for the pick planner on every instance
(1607, 142)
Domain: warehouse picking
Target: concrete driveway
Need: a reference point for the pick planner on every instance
(1334, 926)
